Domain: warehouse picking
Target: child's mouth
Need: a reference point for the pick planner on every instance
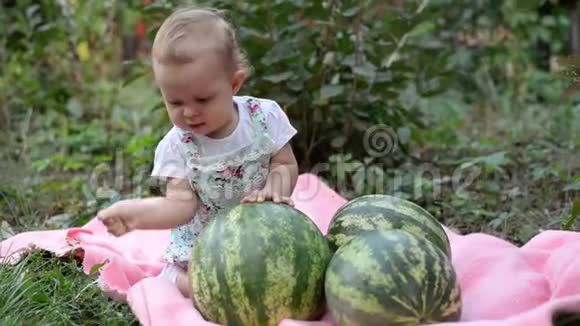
(196, 125)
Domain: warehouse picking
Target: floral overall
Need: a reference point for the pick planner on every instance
(221, 181)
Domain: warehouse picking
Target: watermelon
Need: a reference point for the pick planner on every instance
(372, 212)
(391, 277)
(258, 264)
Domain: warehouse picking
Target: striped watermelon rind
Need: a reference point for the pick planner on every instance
(391, 277)
(379, 211)
(258, 264)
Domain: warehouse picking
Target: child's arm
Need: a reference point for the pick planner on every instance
(281, 179)
(283, 174)
(177, 207)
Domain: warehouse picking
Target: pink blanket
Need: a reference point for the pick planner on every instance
(501, 283)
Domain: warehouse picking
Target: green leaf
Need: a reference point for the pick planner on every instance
(280, 52)
(349, 60)
(250, 32)
(276, 78)
(492, 161)
(422, 29)
(338, 141)
(96, 267)
(367, 70)
(297, 3)
(31, 11)
(330, 91)
(295, 85)
(497, 222)
(74, 107)
(572, 186)
(404, 134)
(526, 5)
(351, 12)
(573, 216)
(576, 208)
(40, 297)
(495, 160)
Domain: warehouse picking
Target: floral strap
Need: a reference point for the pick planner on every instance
(257, 115)
(192, 149)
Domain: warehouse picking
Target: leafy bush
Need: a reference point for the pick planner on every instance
(337, 67)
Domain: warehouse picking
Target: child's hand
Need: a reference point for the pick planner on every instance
(266, 194)
(117, 218)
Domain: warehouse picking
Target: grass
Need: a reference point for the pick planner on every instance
(511, 172)
(522, 165)
(46, 290)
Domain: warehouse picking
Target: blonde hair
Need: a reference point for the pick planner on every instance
(189, 29)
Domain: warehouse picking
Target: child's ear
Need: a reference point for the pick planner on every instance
(238, 80)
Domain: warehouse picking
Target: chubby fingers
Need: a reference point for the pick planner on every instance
(260, 196)
(277, 198)
(286, 200)
(114, 225)
(252, 197)
(119, 228)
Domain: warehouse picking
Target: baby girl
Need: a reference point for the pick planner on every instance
(222, 150)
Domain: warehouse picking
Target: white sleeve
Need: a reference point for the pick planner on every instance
(169, 160)
(279, 127)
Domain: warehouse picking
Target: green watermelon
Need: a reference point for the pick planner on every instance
(257, 264)
(371, 212)
(391, 277)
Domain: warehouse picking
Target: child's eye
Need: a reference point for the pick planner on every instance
(203, 99)
(175, 103)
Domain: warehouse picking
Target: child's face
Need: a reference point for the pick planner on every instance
(198, 95)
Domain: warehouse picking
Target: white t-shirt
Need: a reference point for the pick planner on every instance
(170, 154)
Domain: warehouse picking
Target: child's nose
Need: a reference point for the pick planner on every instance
(190, 111)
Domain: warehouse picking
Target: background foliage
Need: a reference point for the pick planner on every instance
(481, 108)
